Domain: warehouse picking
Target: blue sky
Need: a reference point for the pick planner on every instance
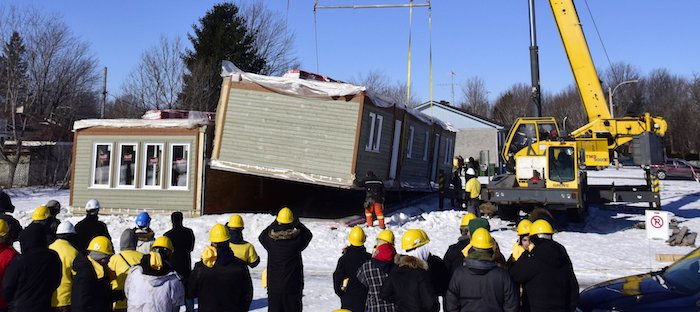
(487, 39)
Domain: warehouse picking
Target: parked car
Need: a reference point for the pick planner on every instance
(676, 168)
(675, 288)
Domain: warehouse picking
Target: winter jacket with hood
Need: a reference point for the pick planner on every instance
(33, 276)
(146, 237)
(547, 277)
(409, 285)
(7, 253)
(355, 294)
(67, 253)
(122, 262)
(87, 229)
(480, 285)
(183, 244)
(15, 227)
(284, 244)
(225, 286)
(92, 289)
(153, 290)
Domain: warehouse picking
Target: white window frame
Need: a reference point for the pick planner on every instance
(409, 150)
(171, 162)
(146, 159)
(110, 149)
(449, 147)
(426, 147)
(375, 132)
(135, 161)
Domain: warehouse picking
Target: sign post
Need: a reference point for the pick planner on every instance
(657, 224)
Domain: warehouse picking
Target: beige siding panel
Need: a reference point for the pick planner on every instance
(130, 198)
(315, 136)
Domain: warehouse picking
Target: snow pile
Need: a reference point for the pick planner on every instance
(606, 246)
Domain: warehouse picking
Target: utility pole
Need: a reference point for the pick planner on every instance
(104, 94)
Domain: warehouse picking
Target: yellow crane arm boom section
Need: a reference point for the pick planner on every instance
(580, 59)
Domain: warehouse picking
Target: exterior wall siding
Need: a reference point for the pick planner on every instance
(415, 170)
(132, 198)
(470, 142)
(378, 162)
(287, 132)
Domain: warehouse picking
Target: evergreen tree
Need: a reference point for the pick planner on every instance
(221, 35)
(13, 73)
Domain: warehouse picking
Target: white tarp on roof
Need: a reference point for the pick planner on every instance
(315, 88)
(138, 123)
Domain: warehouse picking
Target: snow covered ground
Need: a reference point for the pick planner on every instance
(606, 246)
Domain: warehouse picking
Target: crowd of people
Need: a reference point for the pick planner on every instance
(473, 275)
(65, 267)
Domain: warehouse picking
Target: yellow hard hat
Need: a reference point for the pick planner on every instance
(41, 213)
(357, 236)
(235, 222)
(524, 227)
(414, 238)
(4, 228)
(164, 242)
(219, 234)
(387, 236)
(101, 244)
(541, 227)
(466, 218)
(482, 239)
(285, 216)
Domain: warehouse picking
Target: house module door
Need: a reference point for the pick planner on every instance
(395, 151)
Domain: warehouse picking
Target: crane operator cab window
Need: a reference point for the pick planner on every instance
(524, 136)
(561, 164)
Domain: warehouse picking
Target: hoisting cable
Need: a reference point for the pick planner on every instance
(410, 27)
(430, 48)
(600, 38)
(316, 35)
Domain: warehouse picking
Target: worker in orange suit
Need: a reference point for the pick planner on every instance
(374, 199)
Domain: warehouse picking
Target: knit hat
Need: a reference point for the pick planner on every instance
(478, 223)
(128, 240)
(385, 252)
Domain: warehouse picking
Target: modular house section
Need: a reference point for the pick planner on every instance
(134, 165)
(325, 133)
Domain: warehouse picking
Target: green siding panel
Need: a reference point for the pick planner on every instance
(315, 136)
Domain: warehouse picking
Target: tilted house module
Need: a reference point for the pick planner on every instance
(323, 132)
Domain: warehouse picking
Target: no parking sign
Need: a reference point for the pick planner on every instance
(657, 224)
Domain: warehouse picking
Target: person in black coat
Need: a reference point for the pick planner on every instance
(220, 280)
(55, 208)
(351, 291)
(480, 285)
(453, 256)
(546, 273)
(284, 241)
(33, 276)
(183, 244)
(92, 289)
(6, 207)
(90, 227)
(410, 287)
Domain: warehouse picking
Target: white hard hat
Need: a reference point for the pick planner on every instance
(471, 171)
(92, 204)
(65, 228)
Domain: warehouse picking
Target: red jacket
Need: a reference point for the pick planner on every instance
(6, 254)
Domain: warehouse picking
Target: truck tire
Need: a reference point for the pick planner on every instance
(508, 212)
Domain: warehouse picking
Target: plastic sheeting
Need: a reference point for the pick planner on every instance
(139, 123)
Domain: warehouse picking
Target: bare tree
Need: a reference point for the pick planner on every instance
(378, 82)
(669, 96)
(157, 80)
(628, 99)
(513, 103)
(61, 67)
(271, 38)
(565, 105)
(475, 96)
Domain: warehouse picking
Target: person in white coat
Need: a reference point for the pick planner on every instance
(153, 285)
